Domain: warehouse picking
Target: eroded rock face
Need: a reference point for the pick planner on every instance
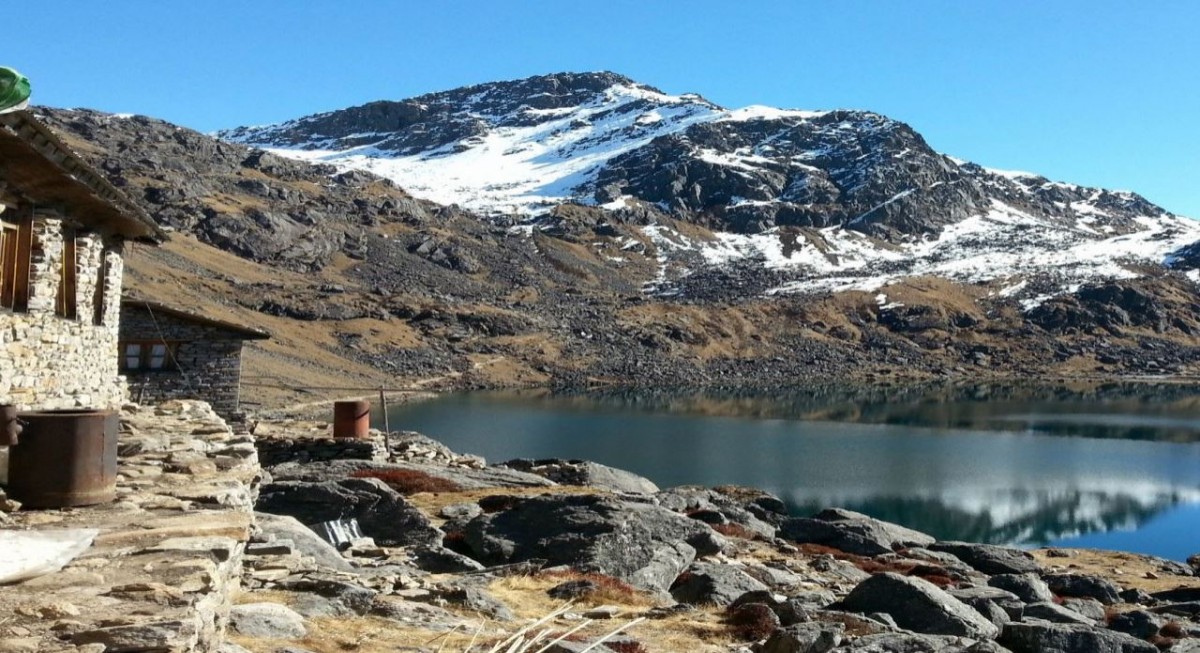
(1062, 638)
(852, 532)
(585, 472)
(989, 558)
(644, 545)
(716, 584)
(382, 513)
(918, 605)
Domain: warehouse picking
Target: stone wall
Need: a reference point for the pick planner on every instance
(208, 360)
(278, 450)
(47, 361)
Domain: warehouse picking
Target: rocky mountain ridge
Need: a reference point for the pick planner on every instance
(360, 273)
(810, 200)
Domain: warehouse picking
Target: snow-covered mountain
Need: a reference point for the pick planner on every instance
(823, 200)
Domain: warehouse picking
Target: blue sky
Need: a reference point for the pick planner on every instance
(1098, 92)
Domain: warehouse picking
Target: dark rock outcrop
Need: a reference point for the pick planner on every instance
(918, 605)
(644, 545)
(382, 513)
(1062, 638)
(716, 584)
(851, 532)
(989, 558)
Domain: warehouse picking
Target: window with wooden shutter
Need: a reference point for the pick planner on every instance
(16, 243)
(65, 302)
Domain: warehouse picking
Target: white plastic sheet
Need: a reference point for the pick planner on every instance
(29, 554)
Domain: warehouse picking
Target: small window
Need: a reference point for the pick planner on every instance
(148, 356)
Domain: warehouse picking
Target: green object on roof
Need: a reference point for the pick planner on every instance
(14, 90)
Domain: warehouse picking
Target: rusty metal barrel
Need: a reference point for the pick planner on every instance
(64, 458)
(351, 419)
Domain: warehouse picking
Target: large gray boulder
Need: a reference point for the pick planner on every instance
(586, 473)
(303, 538)
(1029, 587)
(266, 621)
(1054, 613)
(852, 532)
(1083, 586)
(644, 545)
(382, 513)
(987, 599)
(989, 558)
(753, 510)
(918, 605)
(812, 637)
(1043, 637)
(908, 643)
(713, 584)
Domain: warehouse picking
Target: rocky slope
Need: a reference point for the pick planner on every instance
(681, 568)
(358, 279)
(820, 200)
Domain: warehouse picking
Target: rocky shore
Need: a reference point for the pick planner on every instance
(455, 554)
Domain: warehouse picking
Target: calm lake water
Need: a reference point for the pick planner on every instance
(1106, 466)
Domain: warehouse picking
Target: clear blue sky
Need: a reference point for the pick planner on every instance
(1099, 92)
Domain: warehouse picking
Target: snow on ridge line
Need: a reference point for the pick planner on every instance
(1002, 245)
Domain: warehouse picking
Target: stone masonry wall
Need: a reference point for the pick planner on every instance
(47, 361)
(209, 361)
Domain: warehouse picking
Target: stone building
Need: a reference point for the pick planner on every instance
(63, 228)
(169, 353)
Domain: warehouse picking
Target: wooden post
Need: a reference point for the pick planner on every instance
(387, 427)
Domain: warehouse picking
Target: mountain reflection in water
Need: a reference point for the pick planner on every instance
(977, 463)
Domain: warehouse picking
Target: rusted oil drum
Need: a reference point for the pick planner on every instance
(351, 419)
(64, 458)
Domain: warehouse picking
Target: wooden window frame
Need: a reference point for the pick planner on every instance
(16, 251)
(145, 356)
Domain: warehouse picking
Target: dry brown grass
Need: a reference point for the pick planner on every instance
(1128, 570)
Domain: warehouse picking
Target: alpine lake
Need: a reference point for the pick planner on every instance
(1097, 465)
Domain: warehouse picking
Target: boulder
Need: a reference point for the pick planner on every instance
(1083, 586)
(852, 532)
(715, 584)
(303, 539)
(644, 545)
(752, 509)
(586, 473)
(1055, 613)
(989, 558)
(1090, 608)
(804, 638)
(266, 621)
(1178, 595)
(1028, 587)
(918, 605)
(344, 598)
(984, 599)
(1194, 563)
(1045, 637)
(1138, 623)
(903, 643)
(440, 560)
(382, 513)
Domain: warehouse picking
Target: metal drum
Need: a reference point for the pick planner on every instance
(351, 419)
(64, 458)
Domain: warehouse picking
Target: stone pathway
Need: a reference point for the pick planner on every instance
(161, 573)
